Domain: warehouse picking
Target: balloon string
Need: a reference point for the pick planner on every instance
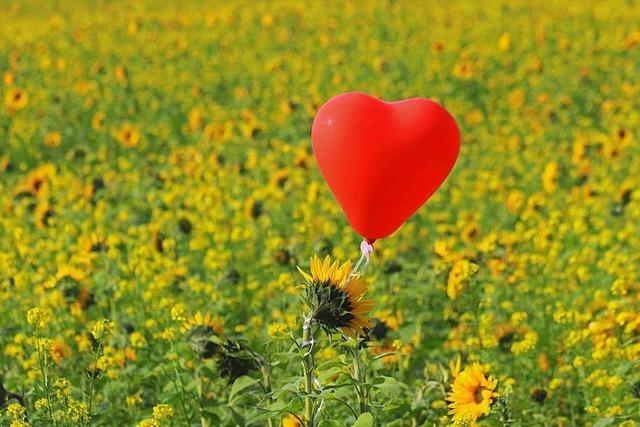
(366, 249)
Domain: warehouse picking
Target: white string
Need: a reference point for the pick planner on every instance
(307, 325)
(321, 390)
(366, 250)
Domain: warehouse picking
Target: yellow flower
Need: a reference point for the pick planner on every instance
(8, 79)
(516, 98)
(162, 412)
(138, 340)
(15, 99)
(97, 122)
(459, 276)
(527, 343)
(59, 350)
(178, 313)
(214, 324)
(336, 298)
(543, 362)
(277, 329)
(550, 177)
(16, 411)
(128, 135)
(195, 120)
(504, 43)
(102, 328)
(515, 201)
(41, 404)
(291, 421)
(454, 367)
(134, 400)
(472, 394)
(52, 139)
(37, 318)
(39, 180)
(463, 70)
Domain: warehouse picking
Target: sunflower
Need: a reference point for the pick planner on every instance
(68, 274)
(335, 297)
(38, 182)
(291, 421)
(93, 242)
(128, 135)
(59, 350)
(52, 139)
(15, 99)
(205, 334)
(235, 360)
(42, 214)
(215, 324)
(472, 393)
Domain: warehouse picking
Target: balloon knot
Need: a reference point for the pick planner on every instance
(366, 249)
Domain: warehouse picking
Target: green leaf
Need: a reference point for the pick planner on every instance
(258, 416)
(329, 373)
(239, 419)
(603, 422)
(329, 364)
(389, 387)
(211, 416)
(209, 373)
(293, 387)
(378, 380)
(278, 405)
(383, 355)
(241, 384)
(364, 420)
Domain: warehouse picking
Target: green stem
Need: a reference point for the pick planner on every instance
(266, 379)
(42, 362)
(94, 374)
(201, 395)
(308, 363)
(360, 375)
(181, 389)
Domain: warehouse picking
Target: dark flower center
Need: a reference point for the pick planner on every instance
(333, 307)
(379, 330)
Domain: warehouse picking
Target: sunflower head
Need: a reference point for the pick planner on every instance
(205, 334)
(212, 324)
(335, 298)
(472, 393)
(236, 360)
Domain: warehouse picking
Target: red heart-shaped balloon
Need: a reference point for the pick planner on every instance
(383, 160)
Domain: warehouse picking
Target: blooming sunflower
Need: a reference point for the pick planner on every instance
(214, 324)
(235, 360)
(291, 421)
(15, 99)
(128, 135)
(59, 350)
(335, 298)
(205, 334)
(472, 393)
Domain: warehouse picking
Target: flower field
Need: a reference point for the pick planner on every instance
(160, 205)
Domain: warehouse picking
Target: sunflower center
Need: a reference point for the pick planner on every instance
(477, 395)
(335, 309)
(37, 184)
